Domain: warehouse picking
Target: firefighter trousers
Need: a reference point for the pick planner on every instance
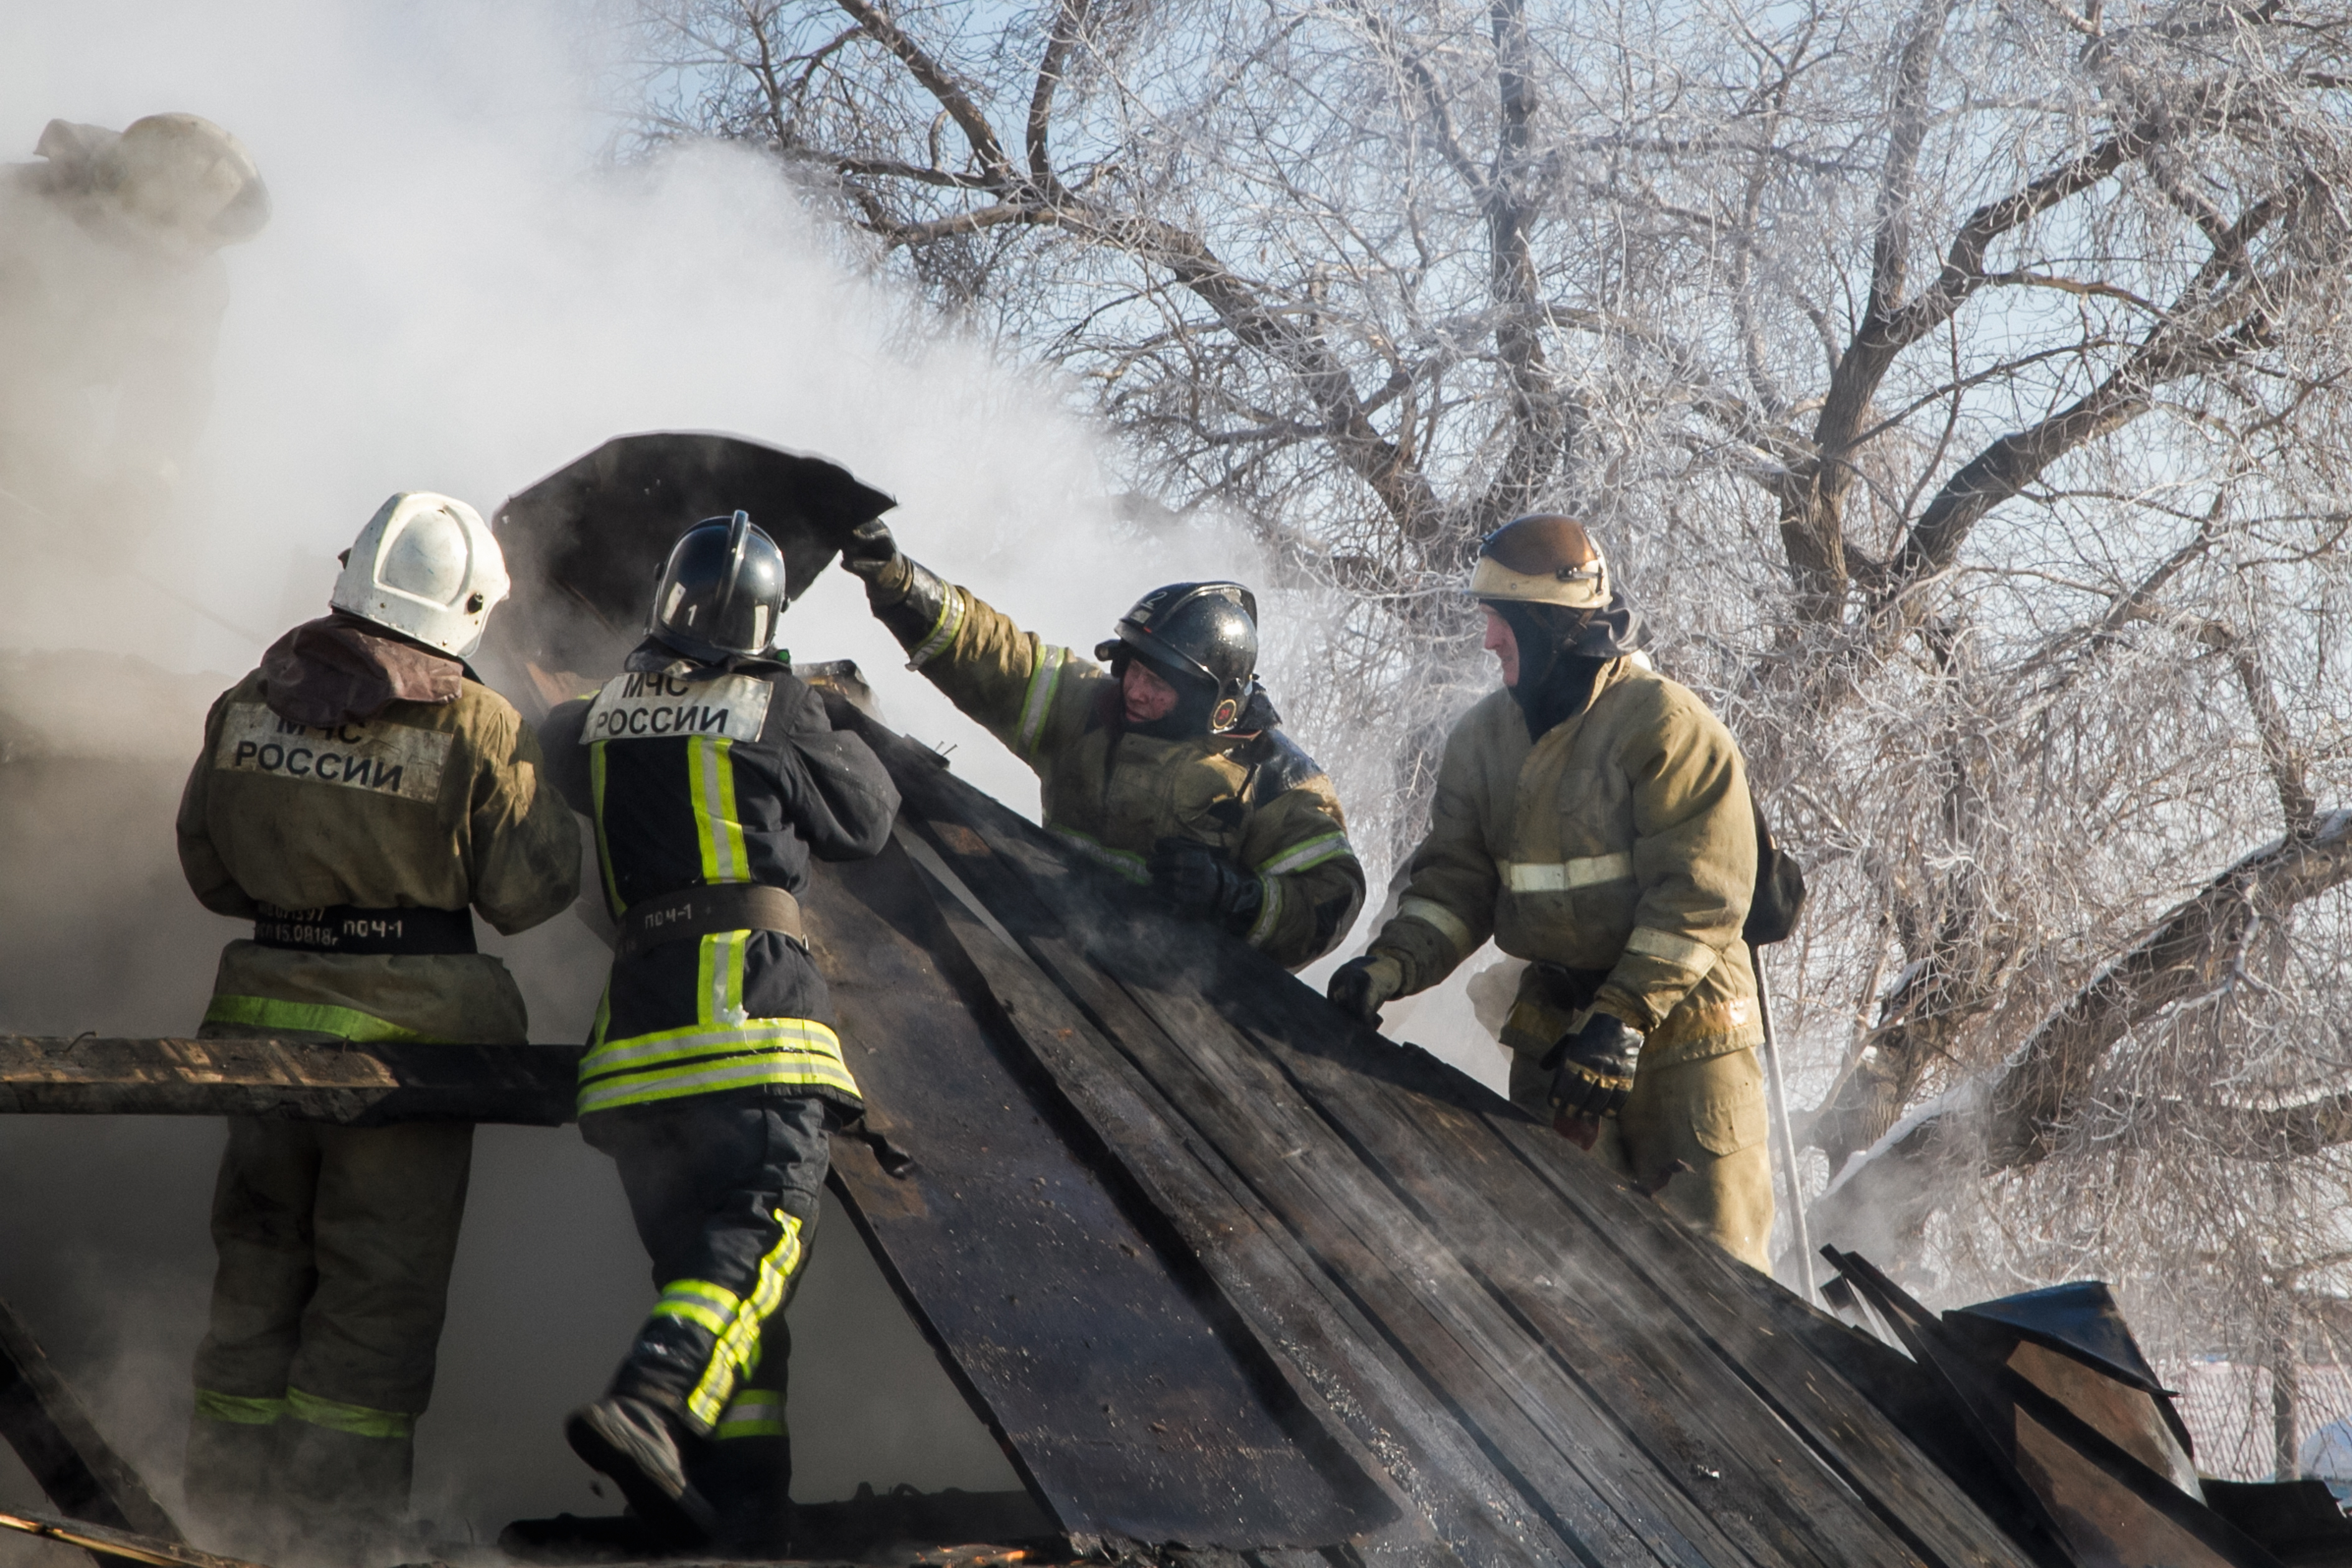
(1707, 1114)
(725, 1191)
(335, 1245)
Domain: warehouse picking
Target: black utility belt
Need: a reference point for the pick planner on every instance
(351, 929)
(707, 912)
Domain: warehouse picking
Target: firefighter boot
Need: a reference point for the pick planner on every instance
(746, 1471)
(349, 1492)
(643, 1448)
(231, 1483)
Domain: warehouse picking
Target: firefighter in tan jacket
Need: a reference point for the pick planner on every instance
(1593, 818)
(1168, 769)
(359, 796)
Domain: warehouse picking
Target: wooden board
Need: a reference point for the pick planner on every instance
(1134, 1405)
(353, 1085)
(76, 1468)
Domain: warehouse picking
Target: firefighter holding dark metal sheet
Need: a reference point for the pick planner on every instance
(712, 774)
(359, 796)
(1169, 769)
(1593, 818)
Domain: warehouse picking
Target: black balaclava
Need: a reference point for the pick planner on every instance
(1562, 652)
(1196, 699)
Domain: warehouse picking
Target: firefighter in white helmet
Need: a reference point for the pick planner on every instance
(359, 796)
(1593, 818)
(112, 292)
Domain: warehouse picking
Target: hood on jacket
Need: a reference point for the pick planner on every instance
(1562, 652)
(341, 669)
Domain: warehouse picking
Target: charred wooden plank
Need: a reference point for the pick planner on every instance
(1794, 1357)
(115, 1547)
(1134, 1408)
(1506, 1472)
(350, 1084)
(75, 1468)
(1558, 1268)
(1331, 1353)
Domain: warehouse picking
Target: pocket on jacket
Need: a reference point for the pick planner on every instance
(1728, 1104)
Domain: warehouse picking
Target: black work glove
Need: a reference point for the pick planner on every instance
(869, 550)
(1203, 883)
(1593, 1069)
(1359, 986)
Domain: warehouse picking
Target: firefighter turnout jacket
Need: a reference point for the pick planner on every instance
(422, 807)
(1619, 848)
(1256, 797)
(1617, 853)
(697, 775)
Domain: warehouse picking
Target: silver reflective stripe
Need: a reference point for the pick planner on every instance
(943, 631)
(1270, 910)
(1678, 951)
(1124, 862)
(1307, 856)
(1039, 702)
(1448, 924)
(1526, 877)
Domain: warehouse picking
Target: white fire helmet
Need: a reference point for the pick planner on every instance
(427, 567)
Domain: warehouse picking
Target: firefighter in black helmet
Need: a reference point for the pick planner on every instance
(1168, 768)
(712, 774)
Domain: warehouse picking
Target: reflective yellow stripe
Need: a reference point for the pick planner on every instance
(1679, 951)
(1526, 877)
(666, 1045)
(1445, 922)
(1124, 862)
(1039, 702)
(317, 1018)
(718, 1296)
(943, 631)
(753, 1413)
(356, 1419)
(711, 770)
(237, 1411)
(604, 847)
(1305, 856)
(693, 1313)
(765, 1071)
(737, 1353)
(1269, 911)
(789, 1053)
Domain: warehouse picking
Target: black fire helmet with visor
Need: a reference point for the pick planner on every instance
(1200, 638)
(720, 594)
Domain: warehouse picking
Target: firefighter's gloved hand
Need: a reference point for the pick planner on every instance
(871, 552)
(1362, 985)
(1593, 1069)
(1203, 883)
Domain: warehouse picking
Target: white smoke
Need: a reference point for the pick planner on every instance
(456, 293)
